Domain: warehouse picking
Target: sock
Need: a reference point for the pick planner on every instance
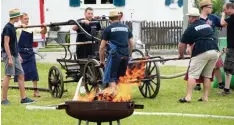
(226, 90)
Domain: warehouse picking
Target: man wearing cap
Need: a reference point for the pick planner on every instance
(118, 38)
(204, 54)
(214, 21)
(12, 59)
(229, 60)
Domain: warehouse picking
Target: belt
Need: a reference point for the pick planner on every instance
(26, 49)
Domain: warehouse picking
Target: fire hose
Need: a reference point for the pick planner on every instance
(150, 59)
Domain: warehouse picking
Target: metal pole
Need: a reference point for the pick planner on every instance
(185, 18)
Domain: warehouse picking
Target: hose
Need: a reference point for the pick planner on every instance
(172, 76)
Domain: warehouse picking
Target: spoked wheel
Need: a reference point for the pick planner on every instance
(55, 81)
(92, 75)
(150, 86)
(136, 53)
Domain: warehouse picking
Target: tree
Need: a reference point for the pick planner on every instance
(217, 6)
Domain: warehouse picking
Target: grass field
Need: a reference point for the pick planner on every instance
(52, 48)
(166, 101)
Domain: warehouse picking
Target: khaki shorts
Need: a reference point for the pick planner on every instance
(14, 70)
(203, 64)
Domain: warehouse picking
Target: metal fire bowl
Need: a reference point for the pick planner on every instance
(99, 111)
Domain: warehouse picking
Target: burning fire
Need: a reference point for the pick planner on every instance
(123, 91)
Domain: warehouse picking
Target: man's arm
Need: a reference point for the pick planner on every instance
(102, 51)
(181, 48)
(6, 46)
(131, 44)
(223, 22)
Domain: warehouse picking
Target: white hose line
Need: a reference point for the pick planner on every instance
(183, 115)
(172, 76)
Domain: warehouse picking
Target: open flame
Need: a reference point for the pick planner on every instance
(123, 91)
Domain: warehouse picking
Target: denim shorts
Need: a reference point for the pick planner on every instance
(15, 69)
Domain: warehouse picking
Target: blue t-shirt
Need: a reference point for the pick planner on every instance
(213, 21)
(202, 35)
(9, 30)
(119, 35)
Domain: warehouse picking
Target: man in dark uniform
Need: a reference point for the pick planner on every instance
(204, 54)
(229, 60)
(83, 51)
(119, 40)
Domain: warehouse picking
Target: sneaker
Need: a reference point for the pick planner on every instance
(225, 93)
(27, 101)
(5, 102)
(221, 86)
(197, 88)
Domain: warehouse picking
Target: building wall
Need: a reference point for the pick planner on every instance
(133, 10)
(29, 6)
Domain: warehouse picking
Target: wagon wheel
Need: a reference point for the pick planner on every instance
(92, 75)
(136, 53)
(55, 82)
(149, 88)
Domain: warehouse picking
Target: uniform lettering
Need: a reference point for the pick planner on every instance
(116, 29)
(200, 27)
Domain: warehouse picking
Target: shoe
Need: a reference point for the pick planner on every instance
(197, 88)
(200, 100)
(183, 100)
(5, 102)
(222, 86)
(225, 93)
(27, 101)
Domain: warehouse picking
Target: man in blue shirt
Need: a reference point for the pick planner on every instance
(118, 39)
(11, 58)
(204, 53)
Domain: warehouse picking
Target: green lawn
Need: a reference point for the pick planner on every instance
(166, 101)
(52, 48)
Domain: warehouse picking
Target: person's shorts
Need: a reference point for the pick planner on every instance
(118, 67)
(15, 69)
(229, 62)
(203, 64)
(219, 63)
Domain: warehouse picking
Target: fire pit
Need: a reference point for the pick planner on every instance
(99, 111)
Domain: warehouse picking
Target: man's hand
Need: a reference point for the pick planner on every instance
(44, 25)
(10, 62)
(189, 50)
(85, 22)
(20, 59)
(223, 14)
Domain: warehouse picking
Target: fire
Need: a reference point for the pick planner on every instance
(123, 91)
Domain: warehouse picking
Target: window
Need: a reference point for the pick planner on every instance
(90, 1)
(97, 3)
(106, 1)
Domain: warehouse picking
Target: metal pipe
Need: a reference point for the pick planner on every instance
(30, 88)
(156, 60)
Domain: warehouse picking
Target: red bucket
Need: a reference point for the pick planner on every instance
(35, 44)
